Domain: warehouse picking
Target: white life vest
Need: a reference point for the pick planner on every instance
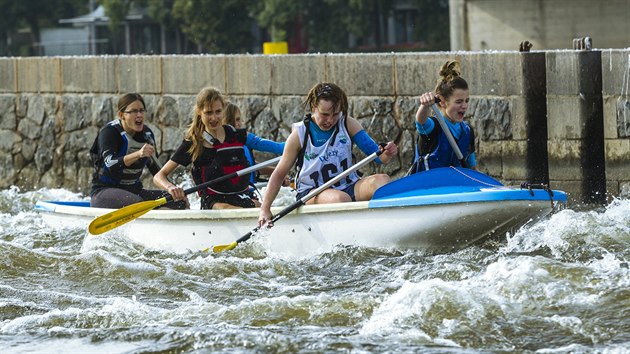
(322, 163)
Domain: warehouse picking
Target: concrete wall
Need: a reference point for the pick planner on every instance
(616, 111)
(548, 24)
(525, 108)
(575, 122)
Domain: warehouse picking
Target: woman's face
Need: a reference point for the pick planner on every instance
(326, 115)
(455, 106)
(132, 117)
(237, 120)
(212, 115)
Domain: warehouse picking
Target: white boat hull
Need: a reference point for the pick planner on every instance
(314, 229)
(436, 211)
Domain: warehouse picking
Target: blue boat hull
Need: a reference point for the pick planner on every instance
(455, 185)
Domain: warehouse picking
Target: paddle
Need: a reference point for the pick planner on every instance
(447, 132)
(301, 201)
(135, 145)
(123, 215)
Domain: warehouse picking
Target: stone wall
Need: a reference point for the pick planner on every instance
(51, 108)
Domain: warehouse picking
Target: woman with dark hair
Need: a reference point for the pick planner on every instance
(120, 152)
(322, 146)
(433, 148)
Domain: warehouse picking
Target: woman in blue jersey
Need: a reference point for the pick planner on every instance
(232, 117)
(121, 151)
(433, 148)
(322, 146)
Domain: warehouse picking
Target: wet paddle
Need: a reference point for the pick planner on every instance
(447, 132)
(301, 201)
(123, 215)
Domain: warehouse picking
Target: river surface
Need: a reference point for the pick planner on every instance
(561, 285)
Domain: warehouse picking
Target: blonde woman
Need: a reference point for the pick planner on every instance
(214, 149)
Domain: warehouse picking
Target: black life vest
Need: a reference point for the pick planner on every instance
(128, 177)
(224, 158)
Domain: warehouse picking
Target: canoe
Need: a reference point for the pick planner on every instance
(440, 210)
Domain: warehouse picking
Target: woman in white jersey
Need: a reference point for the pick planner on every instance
(322, 146)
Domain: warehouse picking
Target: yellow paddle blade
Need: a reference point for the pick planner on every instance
(222, 248)
(123, 215)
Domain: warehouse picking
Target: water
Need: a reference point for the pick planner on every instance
(561, 285)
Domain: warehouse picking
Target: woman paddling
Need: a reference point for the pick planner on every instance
(121, 151)
(215, 150)
(322, 146)
(433, 148)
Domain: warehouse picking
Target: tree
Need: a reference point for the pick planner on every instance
(162, 12)
(7, 25)
(218, 25)
(434, 20)
(159, 10)
(36, 14)
(116, 10)
(326, 23)
(368, 19)
(278, 16)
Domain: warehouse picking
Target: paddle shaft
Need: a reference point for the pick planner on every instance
(229, 176)
(125, 214)
(449, 136)
(314, 192)
(138, 145)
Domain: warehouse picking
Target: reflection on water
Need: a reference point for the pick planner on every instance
(561, 285)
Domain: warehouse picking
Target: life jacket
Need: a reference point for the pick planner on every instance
(129, 177)
(317, 165)
(226, 157)
(433, 150)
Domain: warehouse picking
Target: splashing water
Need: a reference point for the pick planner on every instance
(560, 285)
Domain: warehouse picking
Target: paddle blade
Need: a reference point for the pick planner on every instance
(221, 248)
(123, 215)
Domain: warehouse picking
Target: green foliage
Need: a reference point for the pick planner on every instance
(226, 25)
(327, 23)
(324, 25)
(9, 11)
(218, 25)
(116, 10)
(36, 14)
(365, 18)
(434, 18)
(277, 15)
(162, 12)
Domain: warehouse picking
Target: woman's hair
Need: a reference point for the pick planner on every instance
(229, 113)
(450, 80)
(129, 98)
(207, 96)
(330, 92)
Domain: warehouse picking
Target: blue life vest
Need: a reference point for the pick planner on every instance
(433, 150)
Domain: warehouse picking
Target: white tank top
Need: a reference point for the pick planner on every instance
(323, 163)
